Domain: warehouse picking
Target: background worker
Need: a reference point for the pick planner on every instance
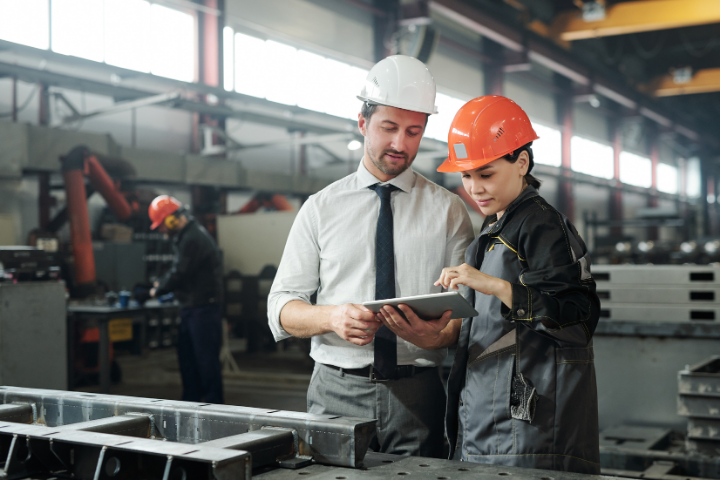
(382, 232)
(522, 387)
(194, 278)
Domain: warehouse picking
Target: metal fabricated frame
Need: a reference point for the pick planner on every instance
(89, 436)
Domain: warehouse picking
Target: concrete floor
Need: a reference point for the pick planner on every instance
(274, 380)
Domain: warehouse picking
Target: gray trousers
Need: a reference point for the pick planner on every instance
(409, 411)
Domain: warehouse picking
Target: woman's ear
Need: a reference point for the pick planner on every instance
(523, 162)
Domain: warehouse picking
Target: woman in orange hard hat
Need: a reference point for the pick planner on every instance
(522, 387)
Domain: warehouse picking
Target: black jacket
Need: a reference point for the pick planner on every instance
(522, 387)
(195, 274)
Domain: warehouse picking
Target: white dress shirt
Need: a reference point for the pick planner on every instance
(331, 250)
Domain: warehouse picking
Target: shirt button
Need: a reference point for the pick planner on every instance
(521, 313)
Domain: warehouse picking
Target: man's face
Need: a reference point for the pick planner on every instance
(392, 139)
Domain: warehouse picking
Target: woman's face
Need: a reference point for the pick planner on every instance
(495, 185)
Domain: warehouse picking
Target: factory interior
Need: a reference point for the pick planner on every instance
(241, 111)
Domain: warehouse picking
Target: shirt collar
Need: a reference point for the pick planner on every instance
(405, 181)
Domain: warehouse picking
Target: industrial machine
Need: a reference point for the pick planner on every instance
(33, 350)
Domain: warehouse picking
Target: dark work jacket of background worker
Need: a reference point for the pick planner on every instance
(543, 343)
(194, 278)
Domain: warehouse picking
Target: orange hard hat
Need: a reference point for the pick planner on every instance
(485, 129)
(160, 208)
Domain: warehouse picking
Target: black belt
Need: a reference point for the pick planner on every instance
(401, 371)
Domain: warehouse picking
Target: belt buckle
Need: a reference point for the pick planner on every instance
(373, 378)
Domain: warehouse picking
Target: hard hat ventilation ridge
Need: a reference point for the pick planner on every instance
(499, 134)
(375, 81)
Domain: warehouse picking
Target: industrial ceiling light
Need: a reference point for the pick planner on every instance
(645, 246)
(688, 247)
(354, 145)
(623, 246)
(593, 11)
(712, 247)
(594, 101)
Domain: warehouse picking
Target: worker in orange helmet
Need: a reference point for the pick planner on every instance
(194, 278)
(522, 387)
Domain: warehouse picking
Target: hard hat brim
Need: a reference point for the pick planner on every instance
(409, 108)
(156, 224)
(449, 166)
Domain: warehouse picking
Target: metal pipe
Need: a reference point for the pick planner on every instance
(102, 182)
(79, 220)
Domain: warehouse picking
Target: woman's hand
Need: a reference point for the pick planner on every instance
(471, 277)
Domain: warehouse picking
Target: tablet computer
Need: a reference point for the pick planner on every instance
(430, 306)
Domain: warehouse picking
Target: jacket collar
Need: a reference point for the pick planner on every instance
(405, 181)
(527, 193)
(184, 230)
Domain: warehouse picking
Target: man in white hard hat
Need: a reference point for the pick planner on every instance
(382, 232)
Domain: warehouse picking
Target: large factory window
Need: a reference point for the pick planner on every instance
(292, 76)
(547, 148)
(591, 158)
(172, 43)
(228, 56)
(284, 74)
(25, 22)
(667, 178)
(132, 34)
(126, 25)
(77, 28)
(635, 170)
(439, 125)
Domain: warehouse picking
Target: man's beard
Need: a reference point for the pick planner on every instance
(386, 167)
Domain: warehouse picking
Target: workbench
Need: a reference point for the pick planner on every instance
(148, 326)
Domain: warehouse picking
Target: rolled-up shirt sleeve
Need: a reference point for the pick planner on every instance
(298, 275)
(459, 233)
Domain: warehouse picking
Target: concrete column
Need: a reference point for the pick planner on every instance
(210, 65)
(653, 232)
(493, 70)
(616, 203)
(565, 103)
(384, 25)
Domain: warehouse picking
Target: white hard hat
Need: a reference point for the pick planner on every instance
(402, 82)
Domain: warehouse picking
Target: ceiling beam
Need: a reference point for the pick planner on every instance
(702, 81)
(542, 51)
(638, 16)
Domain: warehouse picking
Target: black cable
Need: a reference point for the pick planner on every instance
(648, 54)
(691, 50)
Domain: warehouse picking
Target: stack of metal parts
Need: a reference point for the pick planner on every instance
(652, 453)
(659, 293)
(699, 401)
(21, 264)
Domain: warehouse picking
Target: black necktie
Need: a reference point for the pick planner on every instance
(385, 340)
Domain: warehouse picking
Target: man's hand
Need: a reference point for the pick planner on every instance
(354, 323)
(154, 288)
(427, 334)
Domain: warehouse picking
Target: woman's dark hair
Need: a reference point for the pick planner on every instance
(512, 158)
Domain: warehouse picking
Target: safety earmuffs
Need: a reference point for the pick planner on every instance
(171, 222)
